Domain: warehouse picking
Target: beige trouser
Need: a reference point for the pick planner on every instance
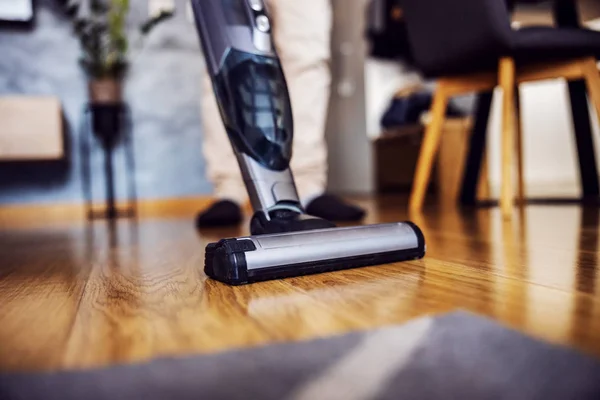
(301, 32)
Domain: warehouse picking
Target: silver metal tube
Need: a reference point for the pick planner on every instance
(325, 244)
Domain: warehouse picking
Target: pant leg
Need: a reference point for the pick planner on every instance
(221, 163)
(302, 35)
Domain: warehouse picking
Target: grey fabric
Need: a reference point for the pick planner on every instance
(467, 36)
(452, 37)
(458, 356)
(265, 373)
(468, 358)
(543, 43)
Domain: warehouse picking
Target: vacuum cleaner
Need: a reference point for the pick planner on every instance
(254, 104)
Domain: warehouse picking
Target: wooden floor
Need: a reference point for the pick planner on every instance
(74, 295)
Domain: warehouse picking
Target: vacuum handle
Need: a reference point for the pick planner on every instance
(223, 25)
(251, 91)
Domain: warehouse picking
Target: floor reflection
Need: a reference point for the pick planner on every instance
(131, 290)
(41, 280)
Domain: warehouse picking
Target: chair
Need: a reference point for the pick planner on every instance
(469, 46)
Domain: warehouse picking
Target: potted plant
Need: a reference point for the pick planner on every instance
(100, 26)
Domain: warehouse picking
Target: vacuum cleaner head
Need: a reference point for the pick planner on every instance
(238, 261)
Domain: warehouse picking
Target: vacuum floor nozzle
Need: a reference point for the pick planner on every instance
(243, 260)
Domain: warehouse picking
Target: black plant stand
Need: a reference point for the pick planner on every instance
(108, 126)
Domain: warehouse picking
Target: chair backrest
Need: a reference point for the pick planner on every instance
(453, 36)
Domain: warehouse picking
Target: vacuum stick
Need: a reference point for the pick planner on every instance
(254, 104)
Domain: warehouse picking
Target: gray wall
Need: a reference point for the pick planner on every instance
(351, 168)
(163, 90)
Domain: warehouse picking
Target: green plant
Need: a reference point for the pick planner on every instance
(101, 28)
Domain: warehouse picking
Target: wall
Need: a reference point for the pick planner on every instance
(163, 91)
(351, 166)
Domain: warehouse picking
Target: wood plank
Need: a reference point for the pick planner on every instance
(41, 281)
(472, 83)
(429, 148)
(16, 215)
(592, 79)
(78, 296)
(569, 70)
(506, 73)
(459, 85)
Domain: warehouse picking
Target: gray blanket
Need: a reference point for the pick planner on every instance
(456, 356)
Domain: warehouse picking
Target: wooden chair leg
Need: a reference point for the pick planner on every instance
(592, 79)
(519, 148)
(429, 148)
(506, 71)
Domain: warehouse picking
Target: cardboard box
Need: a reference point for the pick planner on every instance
(397, 152)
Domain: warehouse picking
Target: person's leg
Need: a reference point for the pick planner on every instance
(301, 32)
(221, 165)
(302, 36)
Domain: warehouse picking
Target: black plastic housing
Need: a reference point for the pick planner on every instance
(225, 261)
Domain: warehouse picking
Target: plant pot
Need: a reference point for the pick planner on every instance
(107, 122)
(105, 91)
